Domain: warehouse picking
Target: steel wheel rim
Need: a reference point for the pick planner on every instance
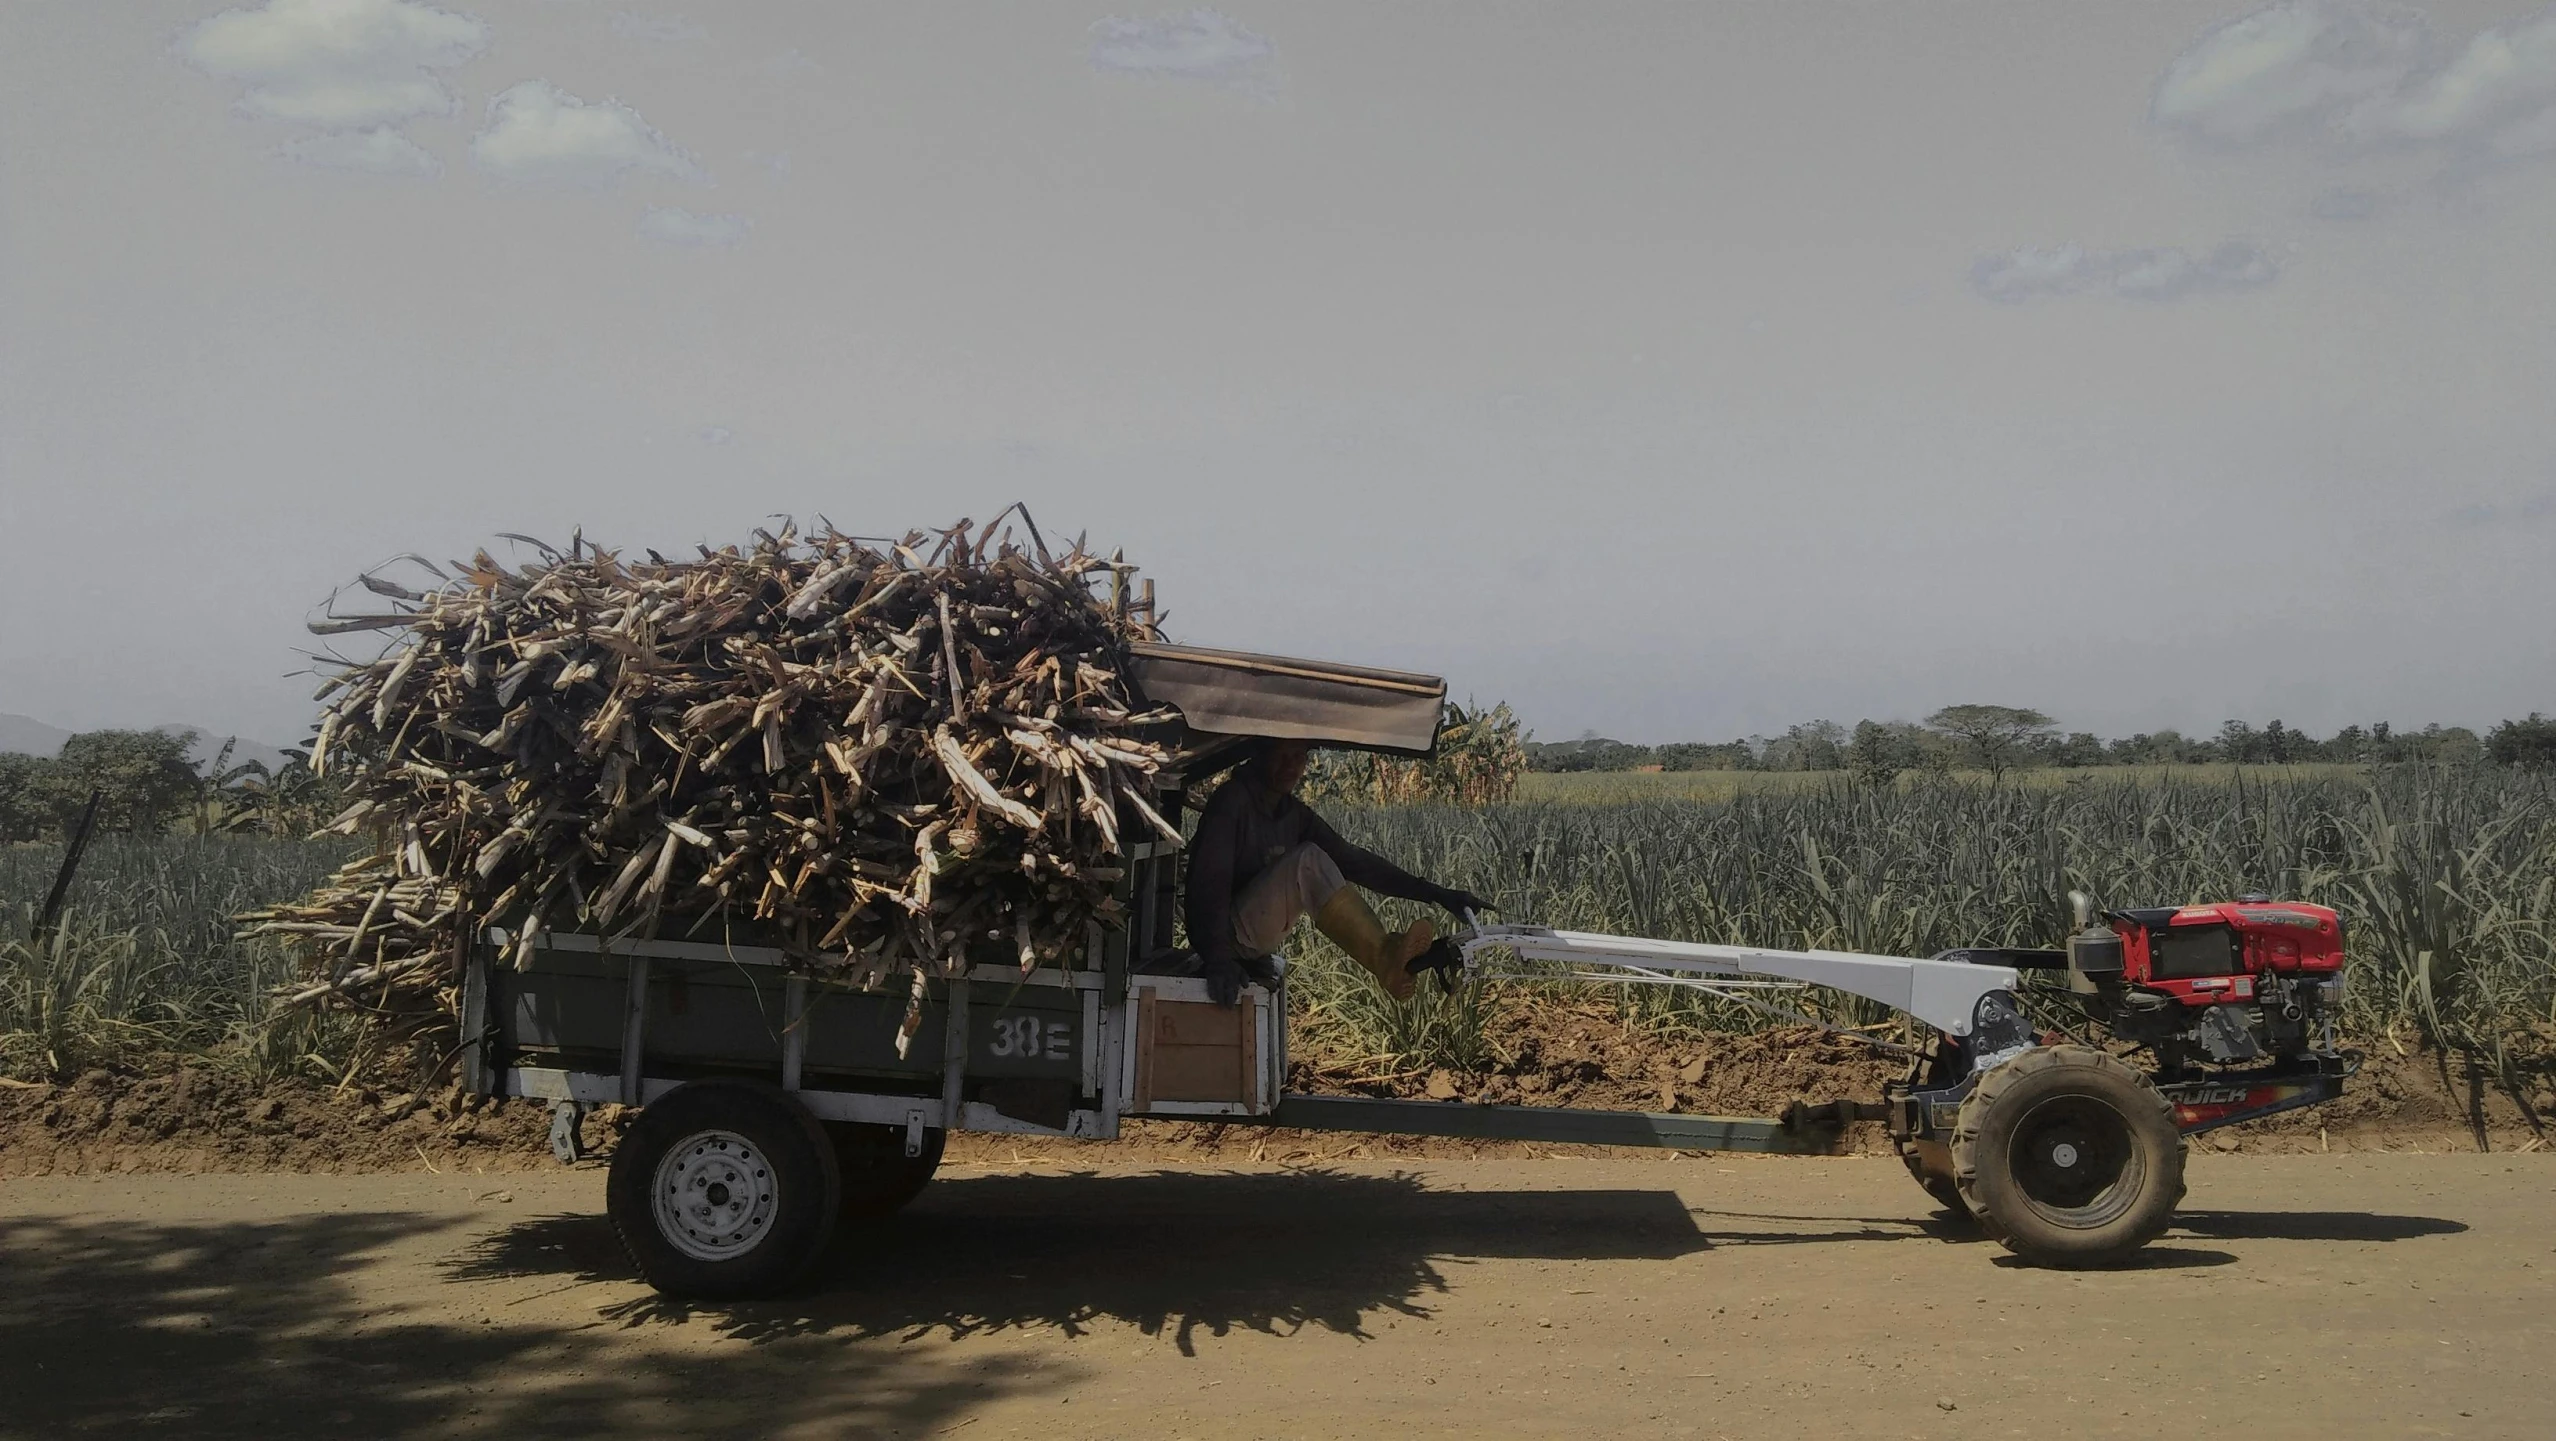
(2075, 1162)
(714, 1196)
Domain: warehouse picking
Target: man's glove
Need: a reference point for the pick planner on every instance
(1224, 977)
(1458, 902)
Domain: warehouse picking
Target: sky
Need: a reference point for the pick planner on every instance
(1667, 371)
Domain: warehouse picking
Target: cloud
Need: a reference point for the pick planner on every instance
(2297, 66)
(1201, 45)
(2356, 76)
(337, 64)
(659, 29)
(2155, 273)
(716, 435)
(2499, 91)
(672, 226)
(379, 151)
(538, 133)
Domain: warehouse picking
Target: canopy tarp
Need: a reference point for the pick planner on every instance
(1234, 693)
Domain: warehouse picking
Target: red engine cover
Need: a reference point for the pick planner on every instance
(2211, 955)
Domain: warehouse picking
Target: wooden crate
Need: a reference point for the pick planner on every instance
(1190, 1056)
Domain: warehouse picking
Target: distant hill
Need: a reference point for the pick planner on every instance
(29, 736)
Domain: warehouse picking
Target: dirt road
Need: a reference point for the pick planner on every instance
(2343, 1296)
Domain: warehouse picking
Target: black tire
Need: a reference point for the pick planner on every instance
(1930, 1162)
(878, 1177)
(2068, 1157)
(750, 1191)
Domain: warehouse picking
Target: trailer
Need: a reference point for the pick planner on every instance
(773, 1104)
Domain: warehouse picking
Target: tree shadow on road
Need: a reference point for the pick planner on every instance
(1177, 1253)
(270, 1329)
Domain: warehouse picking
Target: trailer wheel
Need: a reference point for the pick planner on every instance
(1930, 1162)
(2068, 1157)
(878, 1177)
(722, 1190)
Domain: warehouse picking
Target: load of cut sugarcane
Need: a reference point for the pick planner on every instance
(885, 757)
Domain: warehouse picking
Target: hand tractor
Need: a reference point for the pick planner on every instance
(2064, 1149)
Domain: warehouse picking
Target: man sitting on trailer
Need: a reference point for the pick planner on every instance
(1261, 858)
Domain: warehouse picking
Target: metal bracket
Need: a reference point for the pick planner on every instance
(567, 1138)
(913, 1134)
(1998, 1032)
(477, 1075)
(954, 1054)
(634, 1031)
(794, 1033)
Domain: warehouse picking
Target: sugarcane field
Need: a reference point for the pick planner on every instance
(1715, 722)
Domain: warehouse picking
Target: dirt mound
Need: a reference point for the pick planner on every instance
(195, 1118)
(1584, 1055)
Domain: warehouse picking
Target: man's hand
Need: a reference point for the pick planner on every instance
(1224, 978)
(1457, 902)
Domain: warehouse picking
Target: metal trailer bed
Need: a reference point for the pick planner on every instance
(1062, 1053)
(730, 1031)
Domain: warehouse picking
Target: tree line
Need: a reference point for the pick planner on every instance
(145, 784)
(1998, 739)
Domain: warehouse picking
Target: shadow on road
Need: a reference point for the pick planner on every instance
(2212, 1225)
(2312, 1226)
(1178, 1253)
(274, 1329)
(2152, 1257)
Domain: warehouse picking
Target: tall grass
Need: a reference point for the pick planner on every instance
(144, 960)
(2446, 879)
(1623, 787)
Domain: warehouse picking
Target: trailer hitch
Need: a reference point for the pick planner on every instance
(1803, 1116)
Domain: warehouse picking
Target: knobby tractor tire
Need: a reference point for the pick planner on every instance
(2068, 1157)
(1931, 1164)
(878, 1177)
(722, 1190)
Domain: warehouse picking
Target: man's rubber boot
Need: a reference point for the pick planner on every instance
(1353, 926)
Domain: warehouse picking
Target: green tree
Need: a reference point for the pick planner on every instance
(38, 797)
(2080, 749)
(1818, 745)
(1996, 735)
(1879, 752)
(145, 774)
(2529, 745)
(286, 800)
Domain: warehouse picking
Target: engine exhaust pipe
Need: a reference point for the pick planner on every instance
(2094, 952)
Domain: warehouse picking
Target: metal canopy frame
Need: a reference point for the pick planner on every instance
(1224, 696)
